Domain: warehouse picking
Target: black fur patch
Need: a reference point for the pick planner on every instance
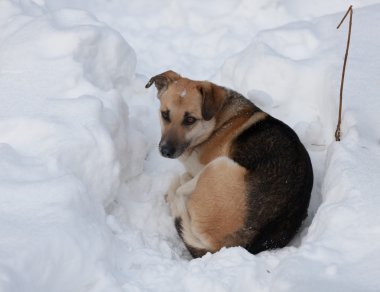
(279, 180)
(178, 226)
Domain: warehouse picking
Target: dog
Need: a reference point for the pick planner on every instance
(248, 177)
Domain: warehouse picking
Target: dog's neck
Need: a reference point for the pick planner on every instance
(235, 112)
(235, 106)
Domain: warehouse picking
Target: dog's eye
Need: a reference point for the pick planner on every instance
(165, 116)
(189, 120)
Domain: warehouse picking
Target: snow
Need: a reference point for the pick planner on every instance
(82, 184)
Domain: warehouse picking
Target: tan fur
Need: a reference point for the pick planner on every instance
(176, 99)
(217, 205)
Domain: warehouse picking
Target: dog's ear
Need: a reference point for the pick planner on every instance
(162, 81)
(213, 97)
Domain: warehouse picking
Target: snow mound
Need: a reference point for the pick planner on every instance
(69, 108)
(63, 147)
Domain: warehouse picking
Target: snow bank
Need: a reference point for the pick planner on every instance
(64, 149)
(81, 181)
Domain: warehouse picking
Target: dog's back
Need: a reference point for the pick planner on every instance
(279, 178)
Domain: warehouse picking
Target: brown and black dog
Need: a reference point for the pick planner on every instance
(248, 179)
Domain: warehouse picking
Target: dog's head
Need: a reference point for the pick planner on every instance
(188, 111)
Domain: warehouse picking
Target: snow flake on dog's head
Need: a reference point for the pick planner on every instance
(183, 93)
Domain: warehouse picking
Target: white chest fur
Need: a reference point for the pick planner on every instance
(191, 163)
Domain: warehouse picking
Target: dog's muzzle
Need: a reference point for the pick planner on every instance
(172, 150)
(168, 151)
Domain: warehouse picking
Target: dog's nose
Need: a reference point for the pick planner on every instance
(167, 150)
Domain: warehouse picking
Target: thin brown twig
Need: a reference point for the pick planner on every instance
(337, 132)
(344, 17)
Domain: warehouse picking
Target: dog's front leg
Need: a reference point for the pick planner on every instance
(175, 184)
(179, 192)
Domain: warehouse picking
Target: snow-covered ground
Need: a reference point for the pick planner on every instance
(81, 181)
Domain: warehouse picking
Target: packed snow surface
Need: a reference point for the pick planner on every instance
(82, 184)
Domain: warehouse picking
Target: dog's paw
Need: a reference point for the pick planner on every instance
(185, 178)
(174, 185)
(174, 197)
(172, 200)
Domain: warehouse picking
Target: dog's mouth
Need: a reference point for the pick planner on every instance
(169, 150)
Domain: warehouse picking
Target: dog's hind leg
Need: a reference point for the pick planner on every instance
(216, 210)
(178, 196)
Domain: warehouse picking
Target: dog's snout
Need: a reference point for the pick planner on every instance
(167, 150)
